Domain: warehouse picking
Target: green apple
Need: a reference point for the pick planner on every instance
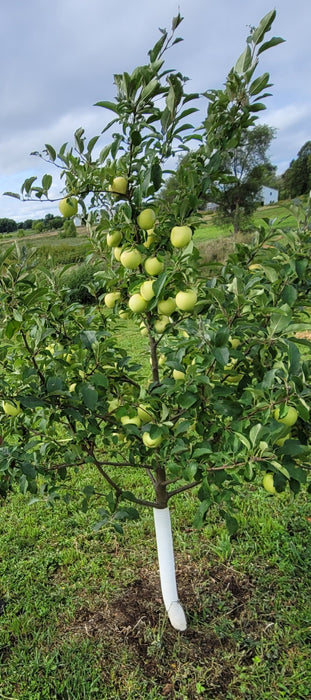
(234, 342)
(124, 314)
(117, 253)
(151, 238)
(178, 375)
(290, 418)
(134, 420)
(143, 329)
(68, 207)
(111, 298)
(11, 408)
(161, 323)
(181, 236)
(187, 300)
(113, 405)
(280, 441)
(146, 219)
(130, 258)
(119, 185)
(161, 360)
(145, 414)
(166, 306)
(146, 290)
(151, 442)
(137, 303)
(113, 239)
(268, 484)
(153, 266)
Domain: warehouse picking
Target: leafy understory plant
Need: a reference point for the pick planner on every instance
(229, 387)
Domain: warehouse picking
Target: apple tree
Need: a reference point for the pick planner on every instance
(229, 386)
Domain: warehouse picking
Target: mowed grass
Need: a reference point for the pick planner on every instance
(81, 614)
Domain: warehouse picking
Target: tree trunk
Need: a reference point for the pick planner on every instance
(166, 560)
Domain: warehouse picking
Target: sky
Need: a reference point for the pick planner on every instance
(58, 57)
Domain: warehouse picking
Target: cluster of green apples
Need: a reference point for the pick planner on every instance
(131, 258)
(143, 415)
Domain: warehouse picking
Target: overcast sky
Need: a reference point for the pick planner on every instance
(58, 57)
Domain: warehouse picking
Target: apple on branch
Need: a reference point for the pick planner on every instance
(181, 236)
(186, 301)
(146, 219)
(68, 206)
(130, 258)
(154, 266)
(119, 185)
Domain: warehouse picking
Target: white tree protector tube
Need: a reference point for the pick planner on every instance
(166, 560)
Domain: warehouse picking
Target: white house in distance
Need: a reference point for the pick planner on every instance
(267, 195)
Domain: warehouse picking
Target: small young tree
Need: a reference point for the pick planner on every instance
(227, 382)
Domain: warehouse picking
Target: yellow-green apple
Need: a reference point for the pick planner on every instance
(124, 314)
(130, 258)
(151, 238)
(68, 206)
(234, 342)
(145, 414)
(117, 253)
(187, 300)
(151, 442)
(114, 238)
(146, 219)
(161, 323)
(166, 306)
(113, 405)
(178, 375)
(131, 420)
(137, 303)
(280, 441)
(254, 266)
(153, 266)
(146, 290)
(161, 360)
(268, 484)
(290, 418)
(119, 185)
(11, 408)
(181, 236)
(111, 298)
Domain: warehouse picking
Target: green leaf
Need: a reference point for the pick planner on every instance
(108, 105)
(221, 355)
(263, 27)
(269, 44)
(231, 524)
(254, 434)
(244, 61)
(187, 399)
(278, 322)
(51, 151)
(90, 396)
(259, 84)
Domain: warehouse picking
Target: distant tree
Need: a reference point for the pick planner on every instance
(37, 226)
(68, 230)
(297, 178)
(248, 168)
(7, 225)
(27, 224)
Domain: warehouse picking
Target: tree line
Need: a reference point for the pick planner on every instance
(49, 223)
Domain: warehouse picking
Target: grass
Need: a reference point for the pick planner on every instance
(82, 615)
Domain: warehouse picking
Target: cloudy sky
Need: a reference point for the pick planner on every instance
(58, 57)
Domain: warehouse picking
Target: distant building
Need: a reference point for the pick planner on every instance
(268, 195)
